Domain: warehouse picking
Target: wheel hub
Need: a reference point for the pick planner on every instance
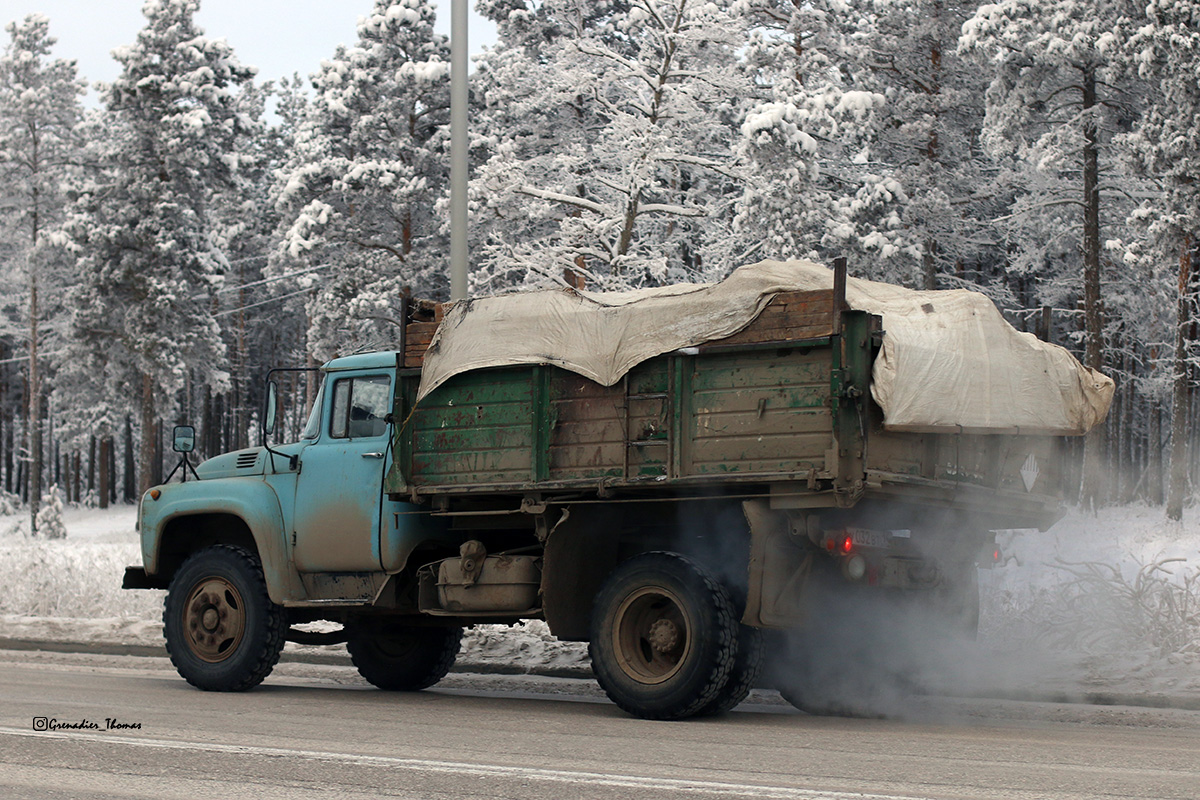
(651, 637)
(663, 636)
(214, 619)
(210, 619)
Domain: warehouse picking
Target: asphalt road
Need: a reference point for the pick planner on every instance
(319, 732)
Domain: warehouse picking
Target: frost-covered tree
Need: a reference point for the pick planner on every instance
(867, 144)
(622, 167)
(1054, 102)
(49, 522)
(244, 224)
(39, 150)
(1165, 45)
(142, 228)
(361, 191)
(812, 190)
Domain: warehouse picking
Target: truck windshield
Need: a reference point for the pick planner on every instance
(313, 426)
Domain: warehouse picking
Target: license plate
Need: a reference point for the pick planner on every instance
(865, 538)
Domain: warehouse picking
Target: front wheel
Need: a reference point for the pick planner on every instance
(404, 659)
(223, 632)
(664, 637)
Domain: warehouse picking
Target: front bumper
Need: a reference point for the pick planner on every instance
(136, 578)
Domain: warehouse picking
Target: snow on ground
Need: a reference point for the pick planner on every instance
(1107, 602)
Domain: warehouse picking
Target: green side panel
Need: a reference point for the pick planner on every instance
(751, 412)
(475, 428)
(587, 441)
(765, 411)
(648, 419)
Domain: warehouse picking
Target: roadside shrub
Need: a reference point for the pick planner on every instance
(50, 523)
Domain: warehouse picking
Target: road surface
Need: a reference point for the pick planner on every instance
(319, 732)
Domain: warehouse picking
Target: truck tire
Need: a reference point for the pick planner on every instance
(404, 659)
(747, 668)
(664, 637)
(818, 689)
(223, 632)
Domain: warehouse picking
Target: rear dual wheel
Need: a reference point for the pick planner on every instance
(665, 640)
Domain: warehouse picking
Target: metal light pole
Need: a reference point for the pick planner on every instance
(458, 149)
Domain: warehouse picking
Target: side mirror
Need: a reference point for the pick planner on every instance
(183, 439)
(272, 411)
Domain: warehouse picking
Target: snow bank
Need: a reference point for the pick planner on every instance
(1113, 598)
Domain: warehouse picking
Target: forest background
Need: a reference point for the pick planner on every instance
(158, 253)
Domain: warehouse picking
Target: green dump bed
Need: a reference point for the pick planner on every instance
(780, 409)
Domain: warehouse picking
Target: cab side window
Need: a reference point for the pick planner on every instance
(359, 407)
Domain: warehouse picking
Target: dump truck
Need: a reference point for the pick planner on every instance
(669, 475)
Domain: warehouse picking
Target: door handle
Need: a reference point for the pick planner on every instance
(372, 455)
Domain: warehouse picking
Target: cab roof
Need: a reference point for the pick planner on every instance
(382, 359)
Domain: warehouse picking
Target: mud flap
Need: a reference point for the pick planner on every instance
(780, 567)
(580, 553)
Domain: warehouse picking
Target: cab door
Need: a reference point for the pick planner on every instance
(339, 490)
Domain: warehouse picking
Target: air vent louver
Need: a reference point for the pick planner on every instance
(247, 460)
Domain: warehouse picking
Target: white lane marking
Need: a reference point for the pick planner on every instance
(480, 770)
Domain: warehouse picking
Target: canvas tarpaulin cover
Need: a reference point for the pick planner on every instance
(949, 360)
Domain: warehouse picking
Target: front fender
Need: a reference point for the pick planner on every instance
(250, 500)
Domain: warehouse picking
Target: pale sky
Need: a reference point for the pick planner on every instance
(279, 37)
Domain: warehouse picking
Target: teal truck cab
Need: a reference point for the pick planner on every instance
(704, 495)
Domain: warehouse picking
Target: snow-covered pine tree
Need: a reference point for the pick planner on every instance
(512, 122)
(928, 131)
(622, 169)
(49, 523)
(1165, 50)
(1055, 102)
(39, 113)
(244, 223)
(360, 193)
(142, 228)
(807, 140)
(867, 145)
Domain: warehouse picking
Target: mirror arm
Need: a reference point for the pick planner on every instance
(293, 460)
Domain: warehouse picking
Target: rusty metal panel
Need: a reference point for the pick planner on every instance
(476, 428)
(788, 317)
(1026, 464)
(648, 421)
(759, 412)
(586, 442)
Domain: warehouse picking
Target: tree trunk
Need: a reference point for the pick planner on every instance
(157, 474)
(146, 448)
(105, 477)
(1092, 311)
(91, 483)
(1128, 462)
(130, 485)
(207, 428)
(1154, 453)
(6, 443)
(34, 413)
(112, 469)
(1181, 396)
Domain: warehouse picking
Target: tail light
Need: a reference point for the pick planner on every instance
(843, 546)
